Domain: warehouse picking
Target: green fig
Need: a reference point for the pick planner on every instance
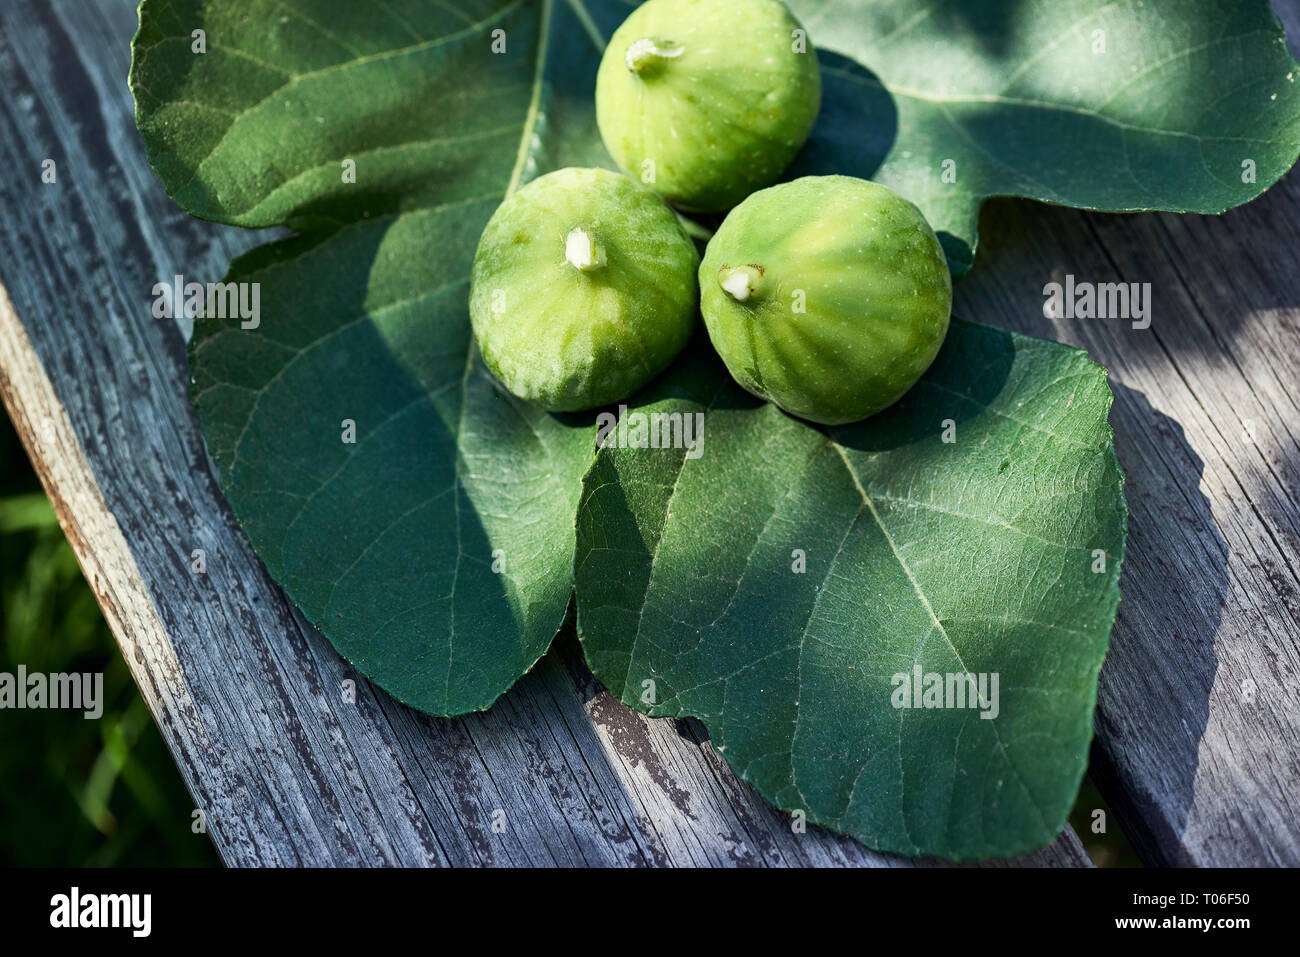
(706, 101)
(828, 296)
(583, 289)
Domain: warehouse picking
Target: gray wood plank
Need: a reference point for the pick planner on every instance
(247, 695)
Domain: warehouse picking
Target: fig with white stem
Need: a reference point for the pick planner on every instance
(829, 296)
(706, 101)
(583, 289)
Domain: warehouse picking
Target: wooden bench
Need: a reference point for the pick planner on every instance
(1198, 726)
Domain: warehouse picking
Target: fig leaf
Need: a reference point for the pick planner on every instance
(785, 583)
(1115, 106)
(418, 514)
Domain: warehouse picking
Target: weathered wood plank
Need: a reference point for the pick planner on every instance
(247, 695)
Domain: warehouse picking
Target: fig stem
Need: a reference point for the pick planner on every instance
(581, 251)
(741, 283)
(648, 56)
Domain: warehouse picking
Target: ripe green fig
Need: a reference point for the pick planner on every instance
(828, 296)
(583, 289)
(706, 101)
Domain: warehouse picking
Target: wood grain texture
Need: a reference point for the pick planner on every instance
(247, 695)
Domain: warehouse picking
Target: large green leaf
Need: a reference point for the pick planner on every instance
(1182, 105)
(435, 551)
(774, 581)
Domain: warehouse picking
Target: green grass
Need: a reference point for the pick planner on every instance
(77, 792)
(1110, 848)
